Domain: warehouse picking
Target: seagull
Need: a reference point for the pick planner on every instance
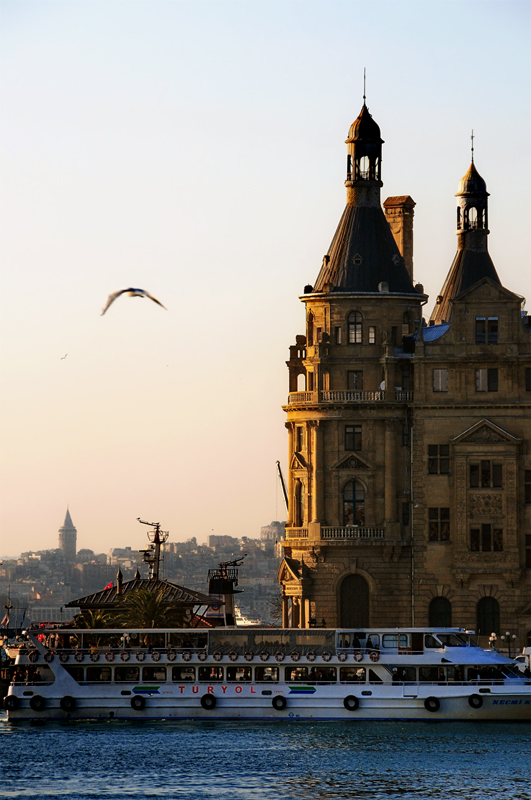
(63, 357)
(132, 293)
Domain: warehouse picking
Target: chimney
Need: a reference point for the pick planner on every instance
(119, 582)
(399, 214)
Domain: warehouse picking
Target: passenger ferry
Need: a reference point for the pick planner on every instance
(235, 673)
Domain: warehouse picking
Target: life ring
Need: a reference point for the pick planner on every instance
(94, 656)
(48, 657)
(280, 656)
(109, 655)
(208, 701)
(186, 656)
(63, 658)
(138, 703)
(326, 656)
(248, 656)
(342, 656)
(67, 703)
(233, 655)
(358, 656)
(37, 703)
(78, 657)
(432, 704)
(171, 655)
(155, 655)
(295, 655)
(310, 656)
(125, 655)
(217, 656)
(351, 702)
(34, 656)
(374, 655)
(202, 656)
(11, 702)
(279, 702)
(475, 701)
(264, 655)
(140, 656)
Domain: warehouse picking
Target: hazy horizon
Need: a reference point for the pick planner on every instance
(196, 150)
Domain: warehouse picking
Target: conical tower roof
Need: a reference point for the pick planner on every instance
(471, 183)
(68, 524)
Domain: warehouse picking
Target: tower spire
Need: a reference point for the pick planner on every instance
(472, 140)
(364, 86)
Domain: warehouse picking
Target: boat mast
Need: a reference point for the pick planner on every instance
(151, 556)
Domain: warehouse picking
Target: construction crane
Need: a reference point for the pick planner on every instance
(283, 487)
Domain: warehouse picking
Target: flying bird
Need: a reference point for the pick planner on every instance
(63, 357)
(132, 293)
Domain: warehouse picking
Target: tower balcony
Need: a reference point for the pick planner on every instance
(350, 396)
(348, 532)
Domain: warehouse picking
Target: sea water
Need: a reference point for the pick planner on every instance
(280, 760)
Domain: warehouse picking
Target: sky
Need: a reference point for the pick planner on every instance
(196, 149)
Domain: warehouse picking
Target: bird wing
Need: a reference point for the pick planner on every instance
(111, 298)
(154, 299)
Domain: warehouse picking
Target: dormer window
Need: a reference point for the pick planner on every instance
(486, 330)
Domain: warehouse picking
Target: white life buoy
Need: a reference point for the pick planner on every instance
(374, 655)
(342, 656)
(358, 656)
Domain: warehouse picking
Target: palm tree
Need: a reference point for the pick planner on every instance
(145, 609)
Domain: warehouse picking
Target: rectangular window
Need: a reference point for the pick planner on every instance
(355, 380)
(299, 436)
(405, 514)
(154, 674)
(210, 674)
(352, 437)
(492, 330)
(481, 326)
(528, 379)
(486, 475)
(439, 524)
(440, 380)
(486, 380)
(394, 334)
(438, 459)
(527, 486)
(352, 674)
(184, 674)
(486, 538)
(266, 674)
(239, 674)
(127, 674)
(338, 335)
(319, 334)
(310, 381)
(372, 335)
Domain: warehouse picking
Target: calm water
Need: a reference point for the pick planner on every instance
(244, 761)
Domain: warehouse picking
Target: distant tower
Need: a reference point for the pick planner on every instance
(68, 538)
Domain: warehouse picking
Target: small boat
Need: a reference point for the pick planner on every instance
(259, 673)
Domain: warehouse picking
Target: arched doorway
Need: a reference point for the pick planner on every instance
(440, 613)
(354, 602)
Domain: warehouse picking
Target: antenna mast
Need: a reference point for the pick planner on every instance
(151, 556)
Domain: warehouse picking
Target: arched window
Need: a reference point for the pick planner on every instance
(364, 168)
(488, 616)
(349, 167)
(458, 217)
(301, 382)
(354, 602)
(355, 328)
(472, 217)
(353, 504)
(440, 613)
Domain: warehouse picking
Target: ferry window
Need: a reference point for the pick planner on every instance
(373, 640)
(239, 674)
(440, 380)
(431, 641)
(325, 674)
(396, 640)
(438, 459)
(185, 674)
(404, 674)
(98, 674)
(432, 674)
(127, 674)
(266, 674)
(210, 674)
(77, 673)
(154, 674)
(300, 674)
(455, 673)
(374, 677)
(352, 674)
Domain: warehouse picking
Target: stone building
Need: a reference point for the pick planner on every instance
(68, 538)
(409, 444)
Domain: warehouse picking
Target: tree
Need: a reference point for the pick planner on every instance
(145, 609)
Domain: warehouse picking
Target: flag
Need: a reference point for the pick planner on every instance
(5, 620)
(109, 586)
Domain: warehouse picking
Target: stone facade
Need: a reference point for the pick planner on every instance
(409, 445)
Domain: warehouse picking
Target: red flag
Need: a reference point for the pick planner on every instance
(109, 586)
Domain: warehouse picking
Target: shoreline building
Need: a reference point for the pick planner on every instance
(409, 444)
(68, 538)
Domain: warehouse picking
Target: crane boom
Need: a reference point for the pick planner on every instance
(283, 486)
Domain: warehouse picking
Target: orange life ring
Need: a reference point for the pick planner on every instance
(109, 656)
(310, 656)
(171, 655)
(217, 656)
(248, 656)
(94, 656)
(358, 656)
(202, 656)
(264, 655)
(326, 656)
(155, 655)
(186, 656)
(125, 655)
(374, 655)
(140, 656)
(342, 656)
(78, 656)
(280, 656)
(295, 655)
(233, 655)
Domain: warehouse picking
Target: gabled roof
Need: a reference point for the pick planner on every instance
(485, 432)
(108, 598)
(363, 254)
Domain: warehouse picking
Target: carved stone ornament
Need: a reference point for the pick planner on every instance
(497, 560)
(485, 505)
(485, 435)
(353, 463)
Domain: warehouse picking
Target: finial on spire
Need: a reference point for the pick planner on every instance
(472, 139)
(364, 79)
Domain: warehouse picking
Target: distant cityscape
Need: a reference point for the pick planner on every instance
(38, 584)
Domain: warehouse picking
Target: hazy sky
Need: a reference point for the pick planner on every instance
(196, 149)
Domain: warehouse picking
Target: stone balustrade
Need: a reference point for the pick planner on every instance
(350, 396)
(352, 532)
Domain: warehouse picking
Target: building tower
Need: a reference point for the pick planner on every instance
(68, 538)
(348, 548)
(409, 445)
